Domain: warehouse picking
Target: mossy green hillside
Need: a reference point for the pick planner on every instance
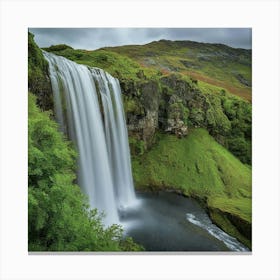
(228, 118)
(118, 65)
(215, 64)
(37, 65)
(197, 166)
(38, 76)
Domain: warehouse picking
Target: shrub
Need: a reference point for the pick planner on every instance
(60, 47)
(59, 217)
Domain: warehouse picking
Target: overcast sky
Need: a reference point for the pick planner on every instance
(94, 38)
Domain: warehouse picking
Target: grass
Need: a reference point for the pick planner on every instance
(199, 167)
(118, 65)
(238, 90)
(214, 64)
(237, 206)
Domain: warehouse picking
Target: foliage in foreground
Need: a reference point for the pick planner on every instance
(59, 217)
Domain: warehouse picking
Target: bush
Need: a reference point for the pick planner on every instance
(239, 112)
(59, 217)
(178, 111)
(38, 79)
(137, 147)
(60, 47)
(241, 148)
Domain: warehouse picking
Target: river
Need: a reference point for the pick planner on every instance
(166, 221)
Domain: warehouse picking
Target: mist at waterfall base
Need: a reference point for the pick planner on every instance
(170, 222)
(88, 107)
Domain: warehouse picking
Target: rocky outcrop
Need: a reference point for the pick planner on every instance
(177, 127)
(171, 104)
(153, 104)
(174, 103)
(177, 117)
(141, 103)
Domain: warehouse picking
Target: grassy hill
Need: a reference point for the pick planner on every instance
(198, 166)
(215, 64)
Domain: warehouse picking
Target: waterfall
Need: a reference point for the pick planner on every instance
(88, 107)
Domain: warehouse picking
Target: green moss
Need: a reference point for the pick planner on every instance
(132, 105)
(179, 111)
(198, 161)
(228, 118)
(239, 112)
(226, 225)
(38, 80)
(120, 66)
(197, 116)
(137, 147)
(239, 205)
(60, 47)
(197, 166)
(208, 88)
(217, 121)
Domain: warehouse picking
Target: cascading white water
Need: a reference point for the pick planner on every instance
(116, 137)
(104, 160)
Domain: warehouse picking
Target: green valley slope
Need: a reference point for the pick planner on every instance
(199, 167)
(215, 64)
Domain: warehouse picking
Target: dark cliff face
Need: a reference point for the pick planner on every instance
(141, 102)
(156, 105)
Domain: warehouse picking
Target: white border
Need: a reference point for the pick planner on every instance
(17, 16)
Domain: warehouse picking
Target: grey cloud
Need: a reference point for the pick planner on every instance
(94, 38)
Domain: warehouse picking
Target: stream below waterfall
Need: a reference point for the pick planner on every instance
(169, 222)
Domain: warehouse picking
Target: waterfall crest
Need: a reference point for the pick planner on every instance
(88, 107)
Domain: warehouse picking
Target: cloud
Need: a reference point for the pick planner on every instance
(94, 38)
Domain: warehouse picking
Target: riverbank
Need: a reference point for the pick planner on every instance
(166, 221)
(197, 166)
